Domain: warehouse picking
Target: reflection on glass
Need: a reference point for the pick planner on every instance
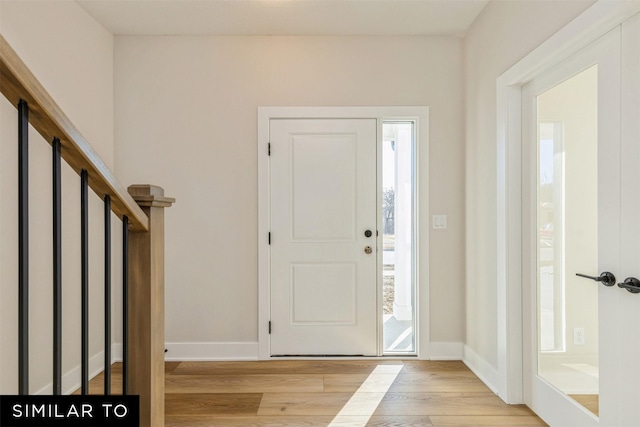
(398, 237)
(567, 237)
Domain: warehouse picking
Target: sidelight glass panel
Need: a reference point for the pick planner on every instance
(398, 235)
(567, 237)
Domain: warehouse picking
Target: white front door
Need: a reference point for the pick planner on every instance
(323, 217)
(581, 219)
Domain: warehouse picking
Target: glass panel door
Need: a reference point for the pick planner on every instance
(567, 237)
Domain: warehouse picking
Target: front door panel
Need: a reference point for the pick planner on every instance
(323, 265)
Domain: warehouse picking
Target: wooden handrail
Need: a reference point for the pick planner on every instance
(18, 82)
(143, 243)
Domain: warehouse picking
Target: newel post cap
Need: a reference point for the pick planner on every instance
(150, 195)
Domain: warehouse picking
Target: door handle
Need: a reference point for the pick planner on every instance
(631, 284)
(368, 249)
(607, 279)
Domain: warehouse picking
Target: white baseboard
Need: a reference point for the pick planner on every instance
(445, 350)
(72, 379)
(211, 351)
(116, 352)
(483, 370)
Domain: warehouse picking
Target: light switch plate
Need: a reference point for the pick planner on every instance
(439, 222)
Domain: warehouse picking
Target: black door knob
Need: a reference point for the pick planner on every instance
(368, 233)
(607, 279)
(631, 284)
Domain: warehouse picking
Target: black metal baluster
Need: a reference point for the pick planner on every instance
(84, 247)
(23, 247)
(107, 295)
(125, 304)
(57, 270)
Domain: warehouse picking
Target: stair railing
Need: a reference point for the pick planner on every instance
(141, 209)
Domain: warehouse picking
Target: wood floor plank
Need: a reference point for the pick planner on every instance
(259, 383)
(96, 386)
(116, 368)
(350, 383)
(344, 383)
(399, 421)
(439, 382)
(486, 421)
(297, 421)
(246, 421)
(589, 401)
(380, 421)
(415, 366)
(303, 403)
(169, 367)
(212, 403)
(282, 367)
(445, 382)
(447, 404)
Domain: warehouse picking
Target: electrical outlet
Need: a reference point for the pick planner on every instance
(578, 336)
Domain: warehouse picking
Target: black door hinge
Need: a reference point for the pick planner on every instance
(269, 237)
(269, 327)
(269, 149)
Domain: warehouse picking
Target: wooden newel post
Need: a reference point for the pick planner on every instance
(146, 306)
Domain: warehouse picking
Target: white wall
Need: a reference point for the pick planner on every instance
(503, 33)
(72, 56)
(186, 119)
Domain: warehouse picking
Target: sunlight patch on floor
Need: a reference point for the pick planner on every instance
(364, 402)
(399, 340)
(584, 368)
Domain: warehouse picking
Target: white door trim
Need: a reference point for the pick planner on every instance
(421, 115)
(590, 25)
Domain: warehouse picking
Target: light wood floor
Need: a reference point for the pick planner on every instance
(330, 393)
(589, 401)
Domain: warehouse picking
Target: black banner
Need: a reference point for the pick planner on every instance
(85, 411)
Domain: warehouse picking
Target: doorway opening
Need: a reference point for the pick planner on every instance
(280, 139)
(398, 237)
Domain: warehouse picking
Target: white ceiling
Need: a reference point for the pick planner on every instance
(285, 17)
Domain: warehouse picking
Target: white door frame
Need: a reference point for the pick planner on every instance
(586, 28)
(421, 116)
